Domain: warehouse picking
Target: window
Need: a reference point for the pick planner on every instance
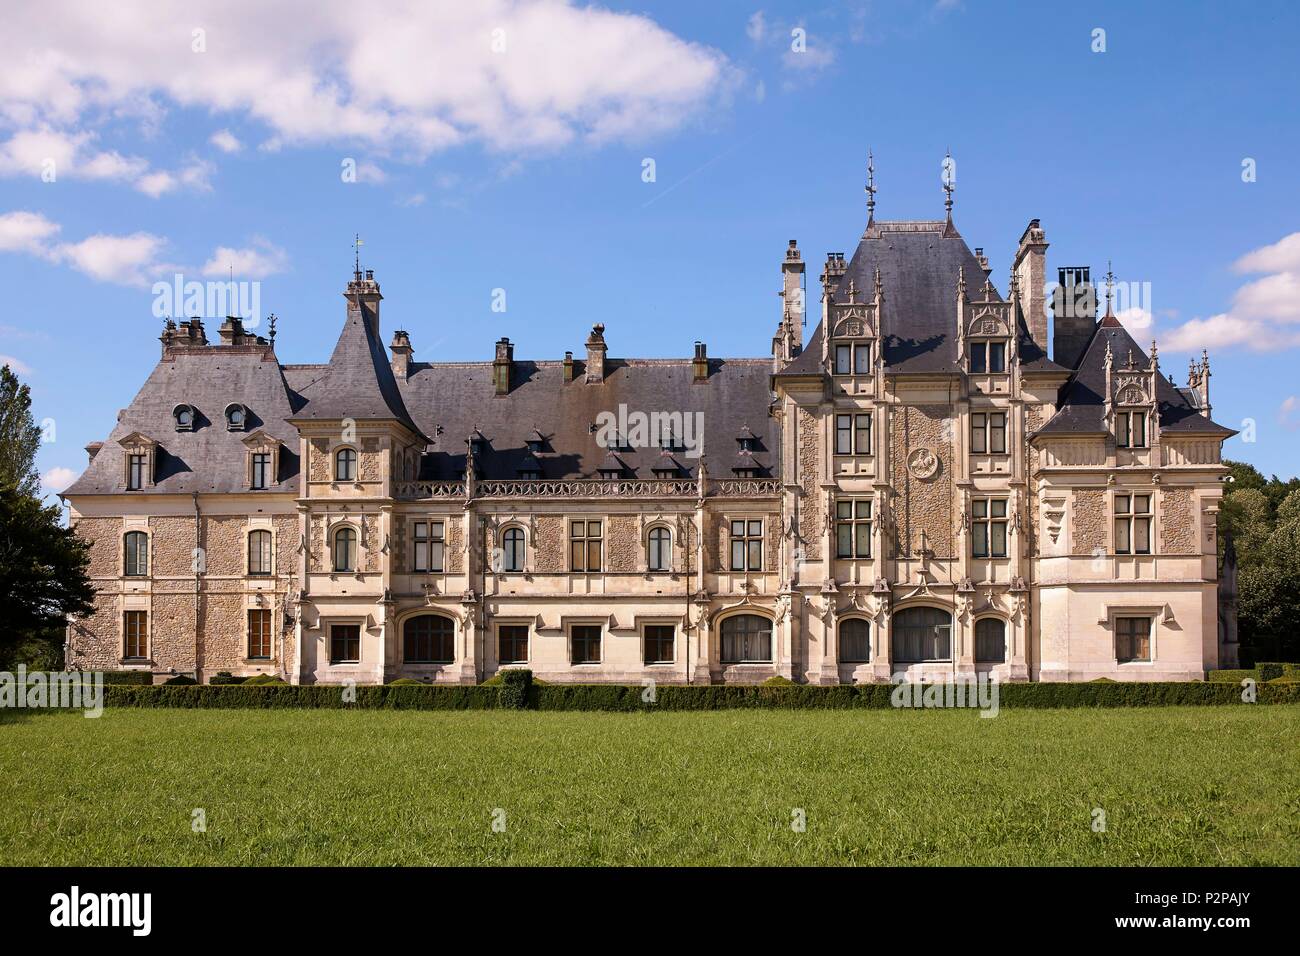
(235, 417)
(990, 641)
(428, 540)
(747, 545)
(855, 641)
(922, 634)
(345, 550)
(427, 639)
(135, 469)
(1131, 429)
(345, 644)
(135, 630)
(988, 357)
(989, 527)
(584, 644)
(584, 546)
(345, 465)
(853, 434)
(137, 554)
(184, 418)
(746, 638)
(1132, 639)
(512, 644)
(988, 433)
(259, 634)
(259, 552)
(853, 528)
(1132, 524)
(853, 359)
(261, 470)
(512, 550)
(660, 544)
(659, 642)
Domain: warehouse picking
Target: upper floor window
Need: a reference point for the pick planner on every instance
(659, 554)
(1132, 524)
(135, 471)
(236, 417)
(853, 528)
(513, 550)
(853, 359)
(989, 527)
(584, 546)
(853, 434)
(259, 552)
(988, 433)
(988, 356)
(427, 537)
(261, 470)
(137, 554)
(1132, 639)
(345, 550)
(345, 465)
(184, 418)
(1131, 429)
(747, 545)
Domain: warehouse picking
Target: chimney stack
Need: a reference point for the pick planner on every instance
(363, 299)
(788, 341)
(568, 366)
(596, 354)
(1074, 314)
(1030, 268)
(402, 352)
(501, 366)
(700, 364)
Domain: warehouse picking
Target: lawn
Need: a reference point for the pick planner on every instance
(1178, 785)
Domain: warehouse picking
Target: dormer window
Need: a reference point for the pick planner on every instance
(748, 440)
(1131, 429)
(535, 441)
(236, 417)
(988, 357)
(135, 471)
(746, 472)
(530, 468)
(138, 461)
(184, 415)
(853, 359)
(612, 467)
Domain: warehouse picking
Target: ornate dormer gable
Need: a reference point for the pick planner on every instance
(854, 347)
(1132, 388)
(139, 461)
(260, 443)
(986, 340)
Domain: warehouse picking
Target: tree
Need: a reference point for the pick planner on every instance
(20, 437)
(43, 565)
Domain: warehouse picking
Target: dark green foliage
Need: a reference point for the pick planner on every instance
(1268, 671)
(778, 681)
(225, 677)
(515, 686)
(180, 680)
(261, 680)
(497, 679)
(1233, 676)
(406, 682)
(619, 697)
(20, 437)
(127, 677)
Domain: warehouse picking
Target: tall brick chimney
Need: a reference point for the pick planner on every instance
(363, 299)
(1030, 268)
(402, 352)
(700, 364)
(596, 354)
(502, 364)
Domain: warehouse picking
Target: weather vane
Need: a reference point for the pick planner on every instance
(871, 186)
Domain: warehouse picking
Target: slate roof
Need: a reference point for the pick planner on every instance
(1083, 404)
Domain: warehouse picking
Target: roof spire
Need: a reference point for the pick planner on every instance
(1110, 285)
(949, 179)
(272, 322)
(871, 188)
(356, 248)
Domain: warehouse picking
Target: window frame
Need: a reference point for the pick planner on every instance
(261, 461)
(268, 552)
(857, 358)
(1130, 519)
(137, 464)
(758, 634)
(587, 640)
(658, 640)
(135, 570)
(659, 549)
(433, 541)
(984, 518)
(854, 522)
(527, 642)
(335, 628)
(839, 635)
(441, 629)
(353, 551)
(983, 431)
(980, 623)
(896, 637)
(261, 634)
(353, 461)
(1124, 430)
(852, 436)
(514, 539)
(984, 349)
(139, 633)
(1134, 637)
(751, 544)
(586, 541)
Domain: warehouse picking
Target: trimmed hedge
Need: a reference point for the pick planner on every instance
(619, 697)
(515, 687)
(127, 677)
(1264, 671)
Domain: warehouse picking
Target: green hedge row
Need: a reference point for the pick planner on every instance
(1260, 672)
(612, 697)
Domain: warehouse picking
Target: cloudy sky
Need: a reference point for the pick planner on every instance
(639, 166)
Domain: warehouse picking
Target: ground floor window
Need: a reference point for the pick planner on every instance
(855, 641)
(427, 639)
(990, 641)
(259, 634)
(584, 643)
(345, 644)
(746, 638)
(512, 644)
(1132, 639)
(659, 641)
(922, 634)
(135, 629)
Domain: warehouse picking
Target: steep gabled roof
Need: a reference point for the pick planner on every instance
(1083, 407)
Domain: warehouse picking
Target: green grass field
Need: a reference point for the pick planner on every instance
(1179, 785)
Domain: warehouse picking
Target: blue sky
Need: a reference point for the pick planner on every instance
(521, 168)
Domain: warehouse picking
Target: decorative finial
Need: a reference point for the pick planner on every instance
(880, 286)
(1205, 361)
(871, 187)
(1155, 355)
(949, 179)
(356, 248)
(961, 282)
(1110, 285)
(271, 321)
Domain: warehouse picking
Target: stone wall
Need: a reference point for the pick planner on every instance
(1177, 521)
(923, 504)
(1033, 422)
(1088, 522)
(809, 464)
(105, 537)
(318, 462)
(454, 537)
(173, 545)
(623, 543)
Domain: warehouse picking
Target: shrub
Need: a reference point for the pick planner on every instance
(1101, 680)
(406, 682)
(1233, 676)
(1269, 671)
(261, 680)
(515, 686)
(778, 681)
(497, 679)
(225, 677)
(180, 679)
(128, 677)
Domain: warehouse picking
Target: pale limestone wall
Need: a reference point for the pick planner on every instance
(172, 622)
(454, 548)
(1177, 521)
(623, 544)
(172, 548)
(549, 544)
(318, 468)
(923, 504)
(809, 475)
(370, 466)
(105, 536)
(1087, 521)
(224, 544)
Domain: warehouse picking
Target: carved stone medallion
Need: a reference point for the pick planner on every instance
(922, 463)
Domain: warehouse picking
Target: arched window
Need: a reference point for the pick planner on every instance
(922, 634)
(345, 549)
(137, 553)
(345, 465)
(427, 639)
(184, 418)
(259, 552)
(990, 641)
(236, 417)
(746, 638)
(855, 641)
(512, 550)
(660, 548)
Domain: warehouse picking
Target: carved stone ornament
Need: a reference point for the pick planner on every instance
(922, 463)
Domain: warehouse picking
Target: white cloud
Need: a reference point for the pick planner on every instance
(122, 260)
(17, 365)
(513, 74)
(225, 141)
(756, 27)
(415, 199)
(255, 261)
(58, 478)
(1281, 256)
(1217, 331)
(368, 172)
(28, 232)
(195, 175)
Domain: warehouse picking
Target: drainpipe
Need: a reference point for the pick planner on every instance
(198, 667)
